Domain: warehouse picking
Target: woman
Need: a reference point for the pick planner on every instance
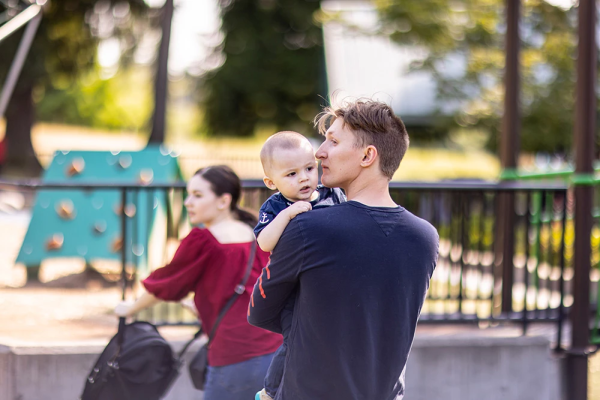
(211, 262)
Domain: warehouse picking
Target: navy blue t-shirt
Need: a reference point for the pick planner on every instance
(277, 203)
(360, 275)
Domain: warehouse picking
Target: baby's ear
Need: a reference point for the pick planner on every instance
(269, 183)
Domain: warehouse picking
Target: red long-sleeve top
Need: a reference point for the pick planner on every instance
(212, 270)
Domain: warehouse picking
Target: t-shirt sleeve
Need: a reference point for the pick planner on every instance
(266, 215)
(178, 278)
(278, 280)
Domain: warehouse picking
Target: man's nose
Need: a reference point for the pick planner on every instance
(320, 154)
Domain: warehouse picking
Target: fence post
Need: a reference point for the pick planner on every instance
(585, 127)
(509, 151)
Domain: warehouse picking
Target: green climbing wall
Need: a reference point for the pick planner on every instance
(87, 223)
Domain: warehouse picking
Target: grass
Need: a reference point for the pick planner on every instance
(427, 164)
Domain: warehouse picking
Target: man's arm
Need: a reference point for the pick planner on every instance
(278, 280)
(270, 234)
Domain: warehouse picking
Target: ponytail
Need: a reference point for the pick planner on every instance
(246, 216)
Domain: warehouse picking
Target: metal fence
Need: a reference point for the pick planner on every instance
(468, 283)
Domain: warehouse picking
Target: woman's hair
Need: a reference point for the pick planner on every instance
(223, 180)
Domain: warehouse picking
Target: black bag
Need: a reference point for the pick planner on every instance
(198, 366)
(137, 364)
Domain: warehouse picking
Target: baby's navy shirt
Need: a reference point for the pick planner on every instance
(277, 203)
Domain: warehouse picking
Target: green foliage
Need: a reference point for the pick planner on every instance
(472, 31)
(65, 45)
(272, 70)
(121, 102)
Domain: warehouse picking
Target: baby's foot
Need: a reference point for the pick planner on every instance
(262, 395)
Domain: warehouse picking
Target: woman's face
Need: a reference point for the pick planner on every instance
(202, 204)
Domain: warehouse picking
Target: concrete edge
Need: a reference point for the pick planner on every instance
(463, 341)
(82, 348)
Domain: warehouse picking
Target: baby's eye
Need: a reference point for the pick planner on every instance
(310, 168)
(291, 174)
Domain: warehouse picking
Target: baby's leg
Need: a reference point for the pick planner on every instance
(275, 371)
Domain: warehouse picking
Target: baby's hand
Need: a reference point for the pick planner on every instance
(298, 207)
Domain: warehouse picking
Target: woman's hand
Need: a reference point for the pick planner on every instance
(123, 309)
(189, 305)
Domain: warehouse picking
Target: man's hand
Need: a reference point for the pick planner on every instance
(298, 207)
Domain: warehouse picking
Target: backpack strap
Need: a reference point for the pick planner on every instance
(239, 289)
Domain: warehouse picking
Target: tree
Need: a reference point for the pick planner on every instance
(272, 71)
(64, 47)
(471, 33)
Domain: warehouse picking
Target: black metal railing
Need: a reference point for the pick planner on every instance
(468, 282)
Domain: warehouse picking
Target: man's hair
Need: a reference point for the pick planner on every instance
(285, 140)
(373, 123)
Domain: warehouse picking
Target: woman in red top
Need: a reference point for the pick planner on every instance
(211, 262)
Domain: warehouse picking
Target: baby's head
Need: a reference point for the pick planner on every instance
(290, 166)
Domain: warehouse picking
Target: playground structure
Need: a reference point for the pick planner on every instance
(86, 223)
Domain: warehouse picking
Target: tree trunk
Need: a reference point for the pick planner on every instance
(162, 77)
(21, 160)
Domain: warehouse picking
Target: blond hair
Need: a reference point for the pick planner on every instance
(373, 123)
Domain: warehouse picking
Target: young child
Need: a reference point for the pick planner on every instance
(290, 166)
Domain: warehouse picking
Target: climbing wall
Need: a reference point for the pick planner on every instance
(87, 223)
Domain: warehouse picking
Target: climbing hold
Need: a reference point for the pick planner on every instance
(75, 167)
(125, 161)
(129, 210)
(116, 244)
(55, 242)
(100, 227)
(146, 176)
(65, 209)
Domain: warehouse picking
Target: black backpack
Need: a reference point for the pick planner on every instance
(137, 364)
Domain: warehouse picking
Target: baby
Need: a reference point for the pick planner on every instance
(290, 166)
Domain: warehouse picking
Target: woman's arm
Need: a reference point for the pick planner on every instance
(269, 236)
(127, 309)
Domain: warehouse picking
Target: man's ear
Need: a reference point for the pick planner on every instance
(369, 156)
(269, 183)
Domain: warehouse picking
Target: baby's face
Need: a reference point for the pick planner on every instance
(294, 173)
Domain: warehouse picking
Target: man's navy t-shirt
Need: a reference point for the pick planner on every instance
(361, 275)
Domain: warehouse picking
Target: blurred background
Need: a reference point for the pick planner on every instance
(200, 82)
(240, 70)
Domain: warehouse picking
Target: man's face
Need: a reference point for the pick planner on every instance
(294, 173)
(339, 156)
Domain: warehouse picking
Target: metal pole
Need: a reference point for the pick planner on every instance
(161, 81)
(19, 20)
(585, 127)
(19, 60)
(509, 151)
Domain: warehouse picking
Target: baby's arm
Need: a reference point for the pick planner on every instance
(269, 236)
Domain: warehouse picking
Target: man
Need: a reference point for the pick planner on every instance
(361, 268)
